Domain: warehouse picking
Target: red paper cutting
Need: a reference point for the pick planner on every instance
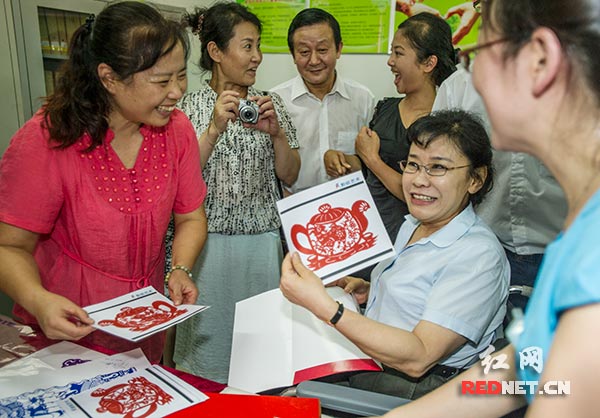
(142, 318)
(334, 234)
(128, 399)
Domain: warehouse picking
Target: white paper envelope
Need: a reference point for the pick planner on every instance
(335, 227)
(279, 344)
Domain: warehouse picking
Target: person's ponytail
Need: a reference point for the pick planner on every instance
(128, 36)
(79, 103)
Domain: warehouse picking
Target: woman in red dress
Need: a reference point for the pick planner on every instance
(89, 183)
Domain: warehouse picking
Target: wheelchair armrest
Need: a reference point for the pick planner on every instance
(347, 399)
(520, 289)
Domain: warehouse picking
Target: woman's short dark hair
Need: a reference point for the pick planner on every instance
(431, 35)
(576, 23)
(128, 36)
(314, 16)
(217, 24)
(463, 129)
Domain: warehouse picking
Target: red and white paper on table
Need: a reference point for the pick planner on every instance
(152, 392)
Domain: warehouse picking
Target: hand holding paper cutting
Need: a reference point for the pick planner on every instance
(59, 318)
(303, 287)
(182, 289)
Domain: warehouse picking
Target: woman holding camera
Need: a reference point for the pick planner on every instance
(247, 146)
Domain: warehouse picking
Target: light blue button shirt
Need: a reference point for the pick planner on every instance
(456, 278)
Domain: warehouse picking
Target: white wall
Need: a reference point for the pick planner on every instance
(370, 70)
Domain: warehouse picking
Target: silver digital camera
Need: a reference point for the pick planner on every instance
(248, 111)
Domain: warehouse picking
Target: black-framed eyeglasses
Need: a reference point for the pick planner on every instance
(466, 56)
(435, 169)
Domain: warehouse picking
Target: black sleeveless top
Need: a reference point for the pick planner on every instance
(394, 147)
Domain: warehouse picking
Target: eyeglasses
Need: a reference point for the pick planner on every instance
(435, 170)
(468, 55)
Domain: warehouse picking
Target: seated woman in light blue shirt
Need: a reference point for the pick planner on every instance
(440, 302)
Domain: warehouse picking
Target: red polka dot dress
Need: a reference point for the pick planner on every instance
(101, 225)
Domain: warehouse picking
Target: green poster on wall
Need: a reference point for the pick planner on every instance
(275, 16)
(365, 24)
(460, 15)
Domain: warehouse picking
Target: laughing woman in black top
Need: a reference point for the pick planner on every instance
(422, 57)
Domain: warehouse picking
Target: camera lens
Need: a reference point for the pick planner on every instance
(248, 111)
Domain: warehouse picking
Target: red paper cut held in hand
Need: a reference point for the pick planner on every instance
(334, 234)
(142, 318)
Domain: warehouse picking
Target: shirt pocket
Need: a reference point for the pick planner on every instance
(345, 142)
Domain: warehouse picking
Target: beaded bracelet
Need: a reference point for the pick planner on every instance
(178, 267)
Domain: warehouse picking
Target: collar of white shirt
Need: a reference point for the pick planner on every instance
(299, 88)
(450, 233)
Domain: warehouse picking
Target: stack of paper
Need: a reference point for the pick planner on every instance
(68, 380)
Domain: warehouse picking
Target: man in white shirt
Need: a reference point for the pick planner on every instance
(327, 110)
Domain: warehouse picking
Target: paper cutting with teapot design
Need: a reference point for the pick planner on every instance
(334, 234)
